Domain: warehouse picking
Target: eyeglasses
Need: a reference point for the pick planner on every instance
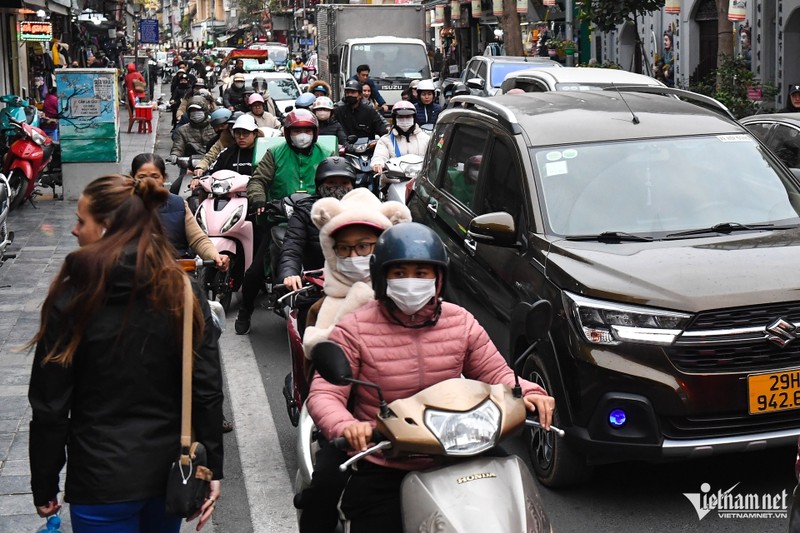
(345, 250)
(242, 133)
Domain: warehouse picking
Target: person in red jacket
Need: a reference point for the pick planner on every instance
(134, 76)
(404, 341)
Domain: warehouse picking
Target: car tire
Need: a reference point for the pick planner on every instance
(554, 462)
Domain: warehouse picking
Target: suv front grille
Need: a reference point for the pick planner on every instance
(726, 347)
(727, 425)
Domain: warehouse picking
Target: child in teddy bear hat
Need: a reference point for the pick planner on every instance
(348, 230)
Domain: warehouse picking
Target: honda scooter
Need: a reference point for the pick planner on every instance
(457, 420)
(359, 155)
(223, 216)
(397, 175)
(17, 109)
(27, 157)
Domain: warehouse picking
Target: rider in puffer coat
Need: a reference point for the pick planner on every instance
(191, 138)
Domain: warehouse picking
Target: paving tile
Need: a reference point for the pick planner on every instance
(15, 485)
(15, 468)
(13, 408)
(15, 504)
(23, 522)
(8, 426)
(19, 447)
(5, 445)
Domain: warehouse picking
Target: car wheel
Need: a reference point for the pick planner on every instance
(554, 463)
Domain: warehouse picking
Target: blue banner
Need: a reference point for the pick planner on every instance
(148, 29)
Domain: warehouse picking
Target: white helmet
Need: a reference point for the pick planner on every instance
(322, 102)
(426, 85)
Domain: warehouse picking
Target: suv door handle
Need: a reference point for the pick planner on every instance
(433, 207)
(470, 245)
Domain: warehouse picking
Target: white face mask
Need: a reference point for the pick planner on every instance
(405, 124)
(323, 114)
(302, 140)
(355, 268)
(410, 294)
(197, 116)
(238, 84)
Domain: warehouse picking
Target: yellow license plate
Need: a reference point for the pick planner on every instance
(774, 392)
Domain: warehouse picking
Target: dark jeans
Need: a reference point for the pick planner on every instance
(320, 500)
(371, 499)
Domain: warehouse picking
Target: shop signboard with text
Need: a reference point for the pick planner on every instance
(89, 115)
(35, 30)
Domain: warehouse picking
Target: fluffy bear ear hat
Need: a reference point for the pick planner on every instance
(361, 207)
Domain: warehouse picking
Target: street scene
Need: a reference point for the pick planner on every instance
(438, 266)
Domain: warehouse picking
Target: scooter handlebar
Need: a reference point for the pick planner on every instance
(342, 444)
(530, 422)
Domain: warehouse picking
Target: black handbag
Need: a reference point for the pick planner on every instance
(189, 480)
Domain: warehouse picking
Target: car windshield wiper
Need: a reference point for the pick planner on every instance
(729, 227)
(610, 236)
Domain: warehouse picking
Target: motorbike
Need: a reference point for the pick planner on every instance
(457, 421)
(17, 109)
(6, 237)
(398, 175)
(297, 382)
(359, 154)
(166, 74)
(27, 157)
(223, 216)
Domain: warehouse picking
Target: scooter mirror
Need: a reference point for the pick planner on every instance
(538, 321)
(331, 363)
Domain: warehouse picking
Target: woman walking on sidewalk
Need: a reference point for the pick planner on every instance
(105, 388)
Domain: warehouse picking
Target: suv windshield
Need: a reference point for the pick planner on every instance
(657, 187)
(501, 70)
(392, 61)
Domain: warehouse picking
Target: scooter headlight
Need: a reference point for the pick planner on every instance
(38, 138)
(465, 433)
(235, 217)
(200, 216)
(361, 148)
(220, 187)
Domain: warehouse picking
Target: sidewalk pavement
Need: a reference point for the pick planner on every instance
(42, 241)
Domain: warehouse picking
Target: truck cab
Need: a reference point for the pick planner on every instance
(394, 63)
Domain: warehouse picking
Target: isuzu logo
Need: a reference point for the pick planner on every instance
(781, 332)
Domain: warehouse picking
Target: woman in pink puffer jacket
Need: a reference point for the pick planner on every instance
(404, 341)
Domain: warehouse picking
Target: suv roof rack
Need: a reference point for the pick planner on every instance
(700, 99)
(489, 107)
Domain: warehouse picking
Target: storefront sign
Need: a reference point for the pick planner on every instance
(34, 30)
(439, 14)
(522, 6)
(497, 7)
(148, 28)
(737, 10)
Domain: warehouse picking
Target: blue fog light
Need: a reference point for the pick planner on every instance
(617, 418)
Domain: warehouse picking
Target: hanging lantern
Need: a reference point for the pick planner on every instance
(549, 2)
(497, 7)
(672, 7)
(477, 9)
(522, 6)
(455, 10)
(737, 10)
(439, 14)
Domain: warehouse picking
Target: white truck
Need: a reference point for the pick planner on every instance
(388, 38)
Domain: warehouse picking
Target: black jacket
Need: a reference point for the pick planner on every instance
(332, 127)
(364, 121)
(301, 249)
(117, 408)
(234, 158)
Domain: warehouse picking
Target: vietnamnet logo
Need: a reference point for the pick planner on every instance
(728, 504)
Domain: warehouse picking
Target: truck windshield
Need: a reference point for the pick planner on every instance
(657, 187)
(278, 54)
(391, 60)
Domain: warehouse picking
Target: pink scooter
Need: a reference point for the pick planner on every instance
(223, 216)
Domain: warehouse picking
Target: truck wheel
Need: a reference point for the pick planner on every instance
(554, 463)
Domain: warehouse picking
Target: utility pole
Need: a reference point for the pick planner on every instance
(570, 23)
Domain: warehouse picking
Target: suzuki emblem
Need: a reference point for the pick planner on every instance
(781, 332)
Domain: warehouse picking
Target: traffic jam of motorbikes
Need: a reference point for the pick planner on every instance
(493, 292)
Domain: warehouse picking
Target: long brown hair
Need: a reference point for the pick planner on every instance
(128, 208)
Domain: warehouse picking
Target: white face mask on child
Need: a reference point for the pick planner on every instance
(404, 124)
(355, 268)
(411, 294)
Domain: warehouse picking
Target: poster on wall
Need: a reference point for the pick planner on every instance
(88, 124)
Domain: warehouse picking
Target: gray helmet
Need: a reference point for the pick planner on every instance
(352, 85)
(198, 100)
(409, 241)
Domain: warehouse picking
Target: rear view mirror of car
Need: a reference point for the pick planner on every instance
(476, 83)
(497, 229)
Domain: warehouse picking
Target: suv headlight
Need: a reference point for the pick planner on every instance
(612, 323)
(465, 433)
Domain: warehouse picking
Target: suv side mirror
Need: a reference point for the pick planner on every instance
(497, 229)
(476, 83)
